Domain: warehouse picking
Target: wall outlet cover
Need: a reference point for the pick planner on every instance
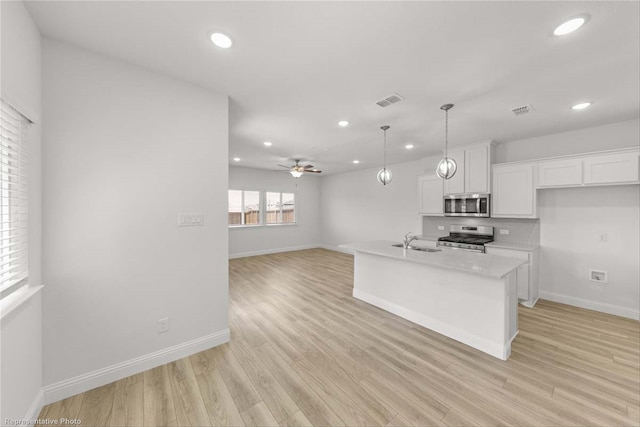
(163, 325)
(504, 231)
(599, 276)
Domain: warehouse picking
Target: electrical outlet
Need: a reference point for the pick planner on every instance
(598, 276)
(504, 231)
(441, 227)
(190, 219)
(163, 325)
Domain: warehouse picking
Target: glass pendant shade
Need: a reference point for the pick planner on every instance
(446, 168)
(384, 176)
(296, 174)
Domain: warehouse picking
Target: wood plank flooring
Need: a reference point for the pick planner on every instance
(304, 352)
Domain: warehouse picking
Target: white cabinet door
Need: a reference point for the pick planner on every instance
(455, 185)
(611, 169)
(476, 170)
(513, 192)
(560, 173)
(430, 196)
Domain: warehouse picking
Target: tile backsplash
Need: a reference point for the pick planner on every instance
(524, 231)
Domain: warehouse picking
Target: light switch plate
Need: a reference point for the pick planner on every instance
(441, 227)
(190, 220)
(504, 231)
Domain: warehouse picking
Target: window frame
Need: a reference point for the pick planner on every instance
(295, 210)
(263, 210)
(242, 212)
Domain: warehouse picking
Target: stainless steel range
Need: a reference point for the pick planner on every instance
(467, 237)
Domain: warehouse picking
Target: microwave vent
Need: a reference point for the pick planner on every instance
(523, 110)
(390, 100)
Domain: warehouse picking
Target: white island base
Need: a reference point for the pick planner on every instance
(478, 310)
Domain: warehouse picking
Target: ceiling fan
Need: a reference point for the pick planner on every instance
(297, 170)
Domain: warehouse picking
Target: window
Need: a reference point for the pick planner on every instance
(280, 208)
(13, 200)
(244, 207)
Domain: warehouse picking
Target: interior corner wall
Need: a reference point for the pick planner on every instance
(355, 207)
(21, 329)
(245, 241)
(125, 150)
(572, 221)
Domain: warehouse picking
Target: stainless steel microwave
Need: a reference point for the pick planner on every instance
(477, 205)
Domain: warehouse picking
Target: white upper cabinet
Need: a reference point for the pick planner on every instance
(455, 185)
(557, 173)
(430, 194)
(611, 169)
(476, 170)
(473, 174)
(514, 194)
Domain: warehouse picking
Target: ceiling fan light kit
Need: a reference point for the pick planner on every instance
(447, 167)
(384, 175)
(298, 170)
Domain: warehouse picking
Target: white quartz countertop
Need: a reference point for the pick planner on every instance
(464, 261)
(514, 246)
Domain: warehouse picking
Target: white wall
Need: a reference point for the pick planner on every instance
(608, 137)
(125, 150)
(355, 207)
(571, 223)
(245, 241)
(21, 329)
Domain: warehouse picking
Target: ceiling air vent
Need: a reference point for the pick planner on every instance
(525, 109)
(389, 100)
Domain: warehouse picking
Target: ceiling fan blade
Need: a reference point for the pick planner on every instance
(312, 171)
(283, 166)
(308, 166)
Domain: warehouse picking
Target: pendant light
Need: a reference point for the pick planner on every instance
(384, 174)
(447, 167)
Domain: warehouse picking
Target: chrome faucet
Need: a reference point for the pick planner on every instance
(408, 239)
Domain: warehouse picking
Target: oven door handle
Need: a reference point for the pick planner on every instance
(478, 205)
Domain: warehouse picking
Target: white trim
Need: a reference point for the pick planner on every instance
(34, 409)
(272, 251)
(603, 307)
(527, 303)
(501, 351)
(337, 249)
(90, 380)
(16, 299)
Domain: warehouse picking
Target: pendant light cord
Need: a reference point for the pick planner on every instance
(446, 134)
(385, 150)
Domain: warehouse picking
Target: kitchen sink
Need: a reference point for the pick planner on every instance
(399, 245)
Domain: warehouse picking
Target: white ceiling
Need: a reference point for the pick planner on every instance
(296, 68)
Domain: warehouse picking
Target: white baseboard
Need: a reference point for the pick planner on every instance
(72, 386)
(591, 305)
(34, 409)
(337, 249)
(501, 351)
(272, 251)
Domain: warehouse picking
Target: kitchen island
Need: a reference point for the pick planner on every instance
(470, 297)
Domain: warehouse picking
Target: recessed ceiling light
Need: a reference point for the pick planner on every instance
(343, 123)
(221, 40)
(571, 25)
(409, 146)
(236, 159)
(268, 143)
(355, 162)
(581, 106)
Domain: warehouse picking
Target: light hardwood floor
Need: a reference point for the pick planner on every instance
(304, 352)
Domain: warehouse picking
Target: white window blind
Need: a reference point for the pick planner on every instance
(14, 263)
